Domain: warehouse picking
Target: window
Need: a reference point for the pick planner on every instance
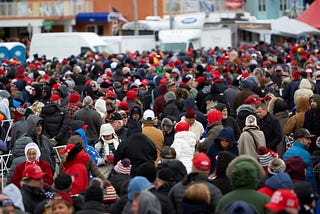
(262, 5)
(283, 5)
(98, 29)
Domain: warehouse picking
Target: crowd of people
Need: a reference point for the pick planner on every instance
(204, 131)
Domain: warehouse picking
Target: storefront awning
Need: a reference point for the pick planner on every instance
(92, 17)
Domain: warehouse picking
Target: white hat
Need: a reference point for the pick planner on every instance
(148, 116)
(113, 65)
(251, 120)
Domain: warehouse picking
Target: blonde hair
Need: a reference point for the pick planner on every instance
(198, 192)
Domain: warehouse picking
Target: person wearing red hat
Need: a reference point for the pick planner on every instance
(56, 120)
(290, 88)
(72, 107)
(284, 201)
(199, 174)
(74, 163)
(195, 126)
(32, 187)
(214, 128)
(132, 99)
(62, 203)
(184, 144)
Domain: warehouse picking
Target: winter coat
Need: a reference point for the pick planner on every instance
(31, 196)
(298, 149)
(106, 147)
(18, 173)
(305, 88)
(244, 173)
(89, 149)
(176, 193)
(56, 123)
(18, 129)
(200, 99)
(213, 131)
(77, 169)
(247, 145)
(272, 131)
(215, 148)
(156, 136)
(195, 128)
(91, 118)
(160, 102)
(288, 92)
(42, 141)
(296, 121)
(184, 145)
(138, 148)
(312, 121)
(171, 108)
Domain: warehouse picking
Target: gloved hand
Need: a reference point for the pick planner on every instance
(53, 141)
(110, 158)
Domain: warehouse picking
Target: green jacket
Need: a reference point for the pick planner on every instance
(244, 173)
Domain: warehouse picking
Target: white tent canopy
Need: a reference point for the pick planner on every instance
(291, 27)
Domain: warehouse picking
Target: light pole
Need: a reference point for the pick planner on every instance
(135, 17)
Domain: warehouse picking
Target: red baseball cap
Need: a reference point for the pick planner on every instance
(111, 95)
(55, 97)
(55, 86)
(281, 199)
(201, 162)
(63, 196)
(32, 171)
(253, 100)
(68, 148)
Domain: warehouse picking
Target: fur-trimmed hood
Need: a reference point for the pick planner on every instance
(244, 172)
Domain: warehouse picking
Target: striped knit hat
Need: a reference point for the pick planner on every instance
(123, 167)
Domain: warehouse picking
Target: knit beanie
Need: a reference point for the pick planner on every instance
(147, 170)
(131, 95)
(264, 156)
(123, 167)
(223, 159)
(137, 184)
(276, 165)
(295, 167)
(190, 113)
(167, 174)
(93, 193)
(304, 191)
(182, 126)
(279, 106)
(169, 96)
(62, 182)
(74, 97)
(214, 116)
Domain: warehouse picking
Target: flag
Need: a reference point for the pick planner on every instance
(122, 19)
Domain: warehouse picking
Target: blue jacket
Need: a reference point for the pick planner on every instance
(215, 148)
(298, 149)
